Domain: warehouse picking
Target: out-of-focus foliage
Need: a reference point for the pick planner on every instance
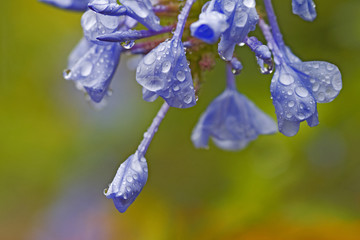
(57, 154)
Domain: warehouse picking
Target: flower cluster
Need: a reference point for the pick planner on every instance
(172, 69)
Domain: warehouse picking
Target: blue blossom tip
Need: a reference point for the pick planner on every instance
(128, 182)
(209, 27)
(165, 71)
(305, 9)
(232, 121)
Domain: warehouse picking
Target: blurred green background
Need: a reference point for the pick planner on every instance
(57, 153)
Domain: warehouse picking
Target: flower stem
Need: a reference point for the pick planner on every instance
(182, 19)
(230, 78)
(149, 134)
(274, 24)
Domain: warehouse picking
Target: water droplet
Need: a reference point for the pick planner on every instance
(128, 44)
(128, 189)
(315, 87)
(286, 79)
(301, 92)
(166, 66)
(300, 116)
(329, 67)
(135, 176)
(125, 196)
(145, 169)
(129, 179)
(176, 88)
(291, 104)
(142, 159)
(67, 74)
(180, 75)
(236, 71)
(86, 68)
(105, 191)
(188, 99)
(288, 115)
(321, 96)
(290, 93)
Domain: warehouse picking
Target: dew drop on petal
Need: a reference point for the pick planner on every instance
(166, 66)
(301, 92)
(286, 79)
(86, 68)
(180, 75)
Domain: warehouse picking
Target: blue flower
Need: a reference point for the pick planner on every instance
(164, 71)
(92, 66)
(242, 18)
(128, 182)
(75, 5)
(298, 86)
(140, 10)
(209, 27)
(305, 9)
(232, 121)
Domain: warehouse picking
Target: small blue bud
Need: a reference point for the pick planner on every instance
(209, 27)
(128, 182)
(305, 9)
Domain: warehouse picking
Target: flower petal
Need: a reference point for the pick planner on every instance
(323, 78)
(92, 66)
(128, 182)
(305, 9)
(165, 71)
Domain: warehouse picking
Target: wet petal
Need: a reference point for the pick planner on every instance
(305, 9)
(128, 182)
(323, 78)
(165, 71)
(232, 121)
(92, 66)
(242, 18)
(292, 99)
(96, 24)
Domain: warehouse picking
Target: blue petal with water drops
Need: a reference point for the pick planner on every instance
(242, 18)
(305, 9)
(92, 66)
(232, 121)
(209, 27)
(165, 71)
(75, 5)
(297, 87)
(96, 24)
(128, 182)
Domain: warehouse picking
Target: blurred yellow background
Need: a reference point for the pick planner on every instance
(57, 153)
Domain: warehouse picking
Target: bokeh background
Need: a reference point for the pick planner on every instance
(58, 153)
